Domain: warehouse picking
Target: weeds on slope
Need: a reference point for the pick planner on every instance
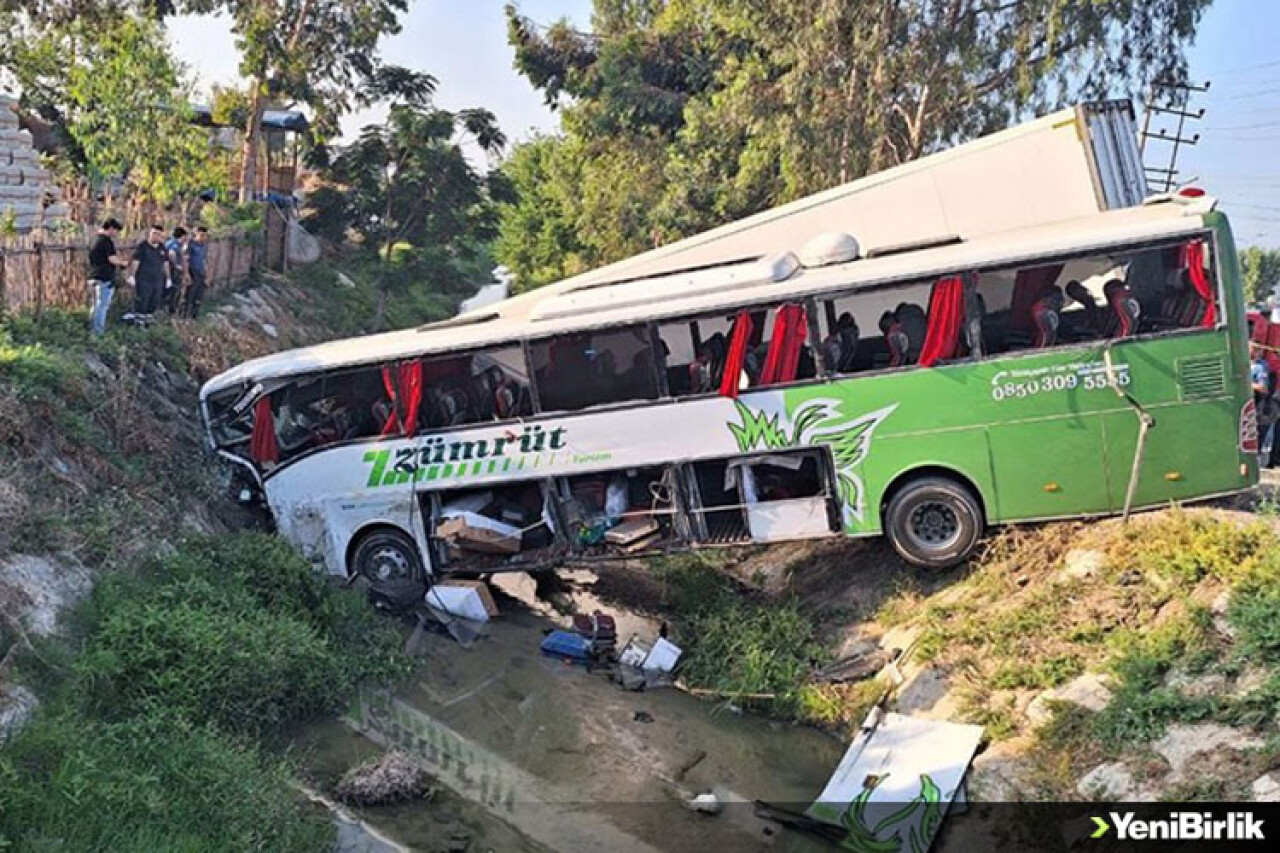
(737, 645)
(153, 715)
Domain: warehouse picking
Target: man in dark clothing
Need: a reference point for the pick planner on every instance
(104, 260)
(149, 271)
(176, 250)
(197, 266)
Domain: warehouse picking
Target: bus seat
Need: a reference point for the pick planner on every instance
(1194, 305)
(1046, 314)
(829, 352)
(895, 338)
(975, 315)
(915, 324)
(846, 337)
(1125, 310)
(753, 364)
(1081, 295)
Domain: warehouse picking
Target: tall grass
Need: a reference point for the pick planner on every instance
(152, 715)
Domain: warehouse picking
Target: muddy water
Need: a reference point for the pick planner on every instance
(533, 754)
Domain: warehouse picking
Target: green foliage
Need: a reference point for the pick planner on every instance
(1142, 705)
(246, 218)
(112, 85)
(677, 116)
(1260, 272)
(1255, 612)
(146, 784)
(314, 52)
(235, 631)
(35, 371)
(142, 741)
(1039, 675)
(537, 234)
(737, 646)
(405, 194)
(1185, 548)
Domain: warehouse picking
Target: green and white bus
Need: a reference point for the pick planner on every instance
(924, 392)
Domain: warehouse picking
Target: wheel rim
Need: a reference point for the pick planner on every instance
(933, 525)
(388, 563)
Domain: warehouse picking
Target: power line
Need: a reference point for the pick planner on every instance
(1174, 101)
(1259, 126)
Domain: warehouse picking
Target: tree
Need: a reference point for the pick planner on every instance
(734, 106)
(119, 97)
(536, 234)
(404, 191)
(302, 51)
(1260, 271)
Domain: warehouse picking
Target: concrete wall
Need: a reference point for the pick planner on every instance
(25, 187)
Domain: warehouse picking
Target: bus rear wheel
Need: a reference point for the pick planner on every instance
(934, 522)
(386, 555)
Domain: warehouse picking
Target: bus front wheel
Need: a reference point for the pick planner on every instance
(386, 555)
(934, 522)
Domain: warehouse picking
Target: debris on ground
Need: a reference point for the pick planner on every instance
(857, 667)
(466, 599)
(708, 804)
(392, 778)
(567, 646)
(896, 759)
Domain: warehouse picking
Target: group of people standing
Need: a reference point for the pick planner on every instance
(169, 273)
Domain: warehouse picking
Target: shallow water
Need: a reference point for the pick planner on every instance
(534, 754)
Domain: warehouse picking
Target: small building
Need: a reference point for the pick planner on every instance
(277, 172)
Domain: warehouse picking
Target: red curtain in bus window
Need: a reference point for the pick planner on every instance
(403, 385)
(1193, 260)
(946, 316)
(411, 395)
(389, 385)
(263, 446)
(1027, 287)
(790, 328)
(739, 340)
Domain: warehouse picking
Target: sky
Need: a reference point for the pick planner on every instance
(464, 45)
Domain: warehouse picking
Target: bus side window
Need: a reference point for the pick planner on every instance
(487, 385)
(1098, 297)
(872, 329)
(778, 351)
(595, 368)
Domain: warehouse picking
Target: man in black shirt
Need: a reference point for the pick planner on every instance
(103, 262)
(148, 273)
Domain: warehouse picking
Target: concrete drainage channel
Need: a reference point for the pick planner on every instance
(566, 760)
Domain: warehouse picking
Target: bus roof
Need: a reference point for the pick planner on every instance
(568, 306)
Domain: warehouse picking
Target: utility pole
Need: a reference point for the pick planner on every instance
(1169, 99)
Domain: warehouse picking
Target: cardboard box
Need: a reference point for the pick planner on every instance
(631, 530)
(464, 602)
(477, 533)
(482, 590)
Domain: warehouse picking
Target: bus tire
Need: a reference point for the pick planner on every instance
(386, 554)
(934, 522)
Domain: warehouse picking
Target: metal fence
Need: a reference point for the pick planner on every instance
(38, 273)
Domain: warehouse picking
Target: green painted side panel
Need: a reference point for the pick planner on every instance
(966, 452)
(1012, 425)
(1183, 457)
(1049, 468)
